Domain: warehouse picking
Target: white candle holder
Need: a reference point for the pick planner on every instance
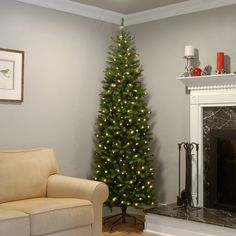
(188, 67)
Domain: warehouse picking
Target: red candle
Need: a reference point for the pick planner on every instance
(220, 61)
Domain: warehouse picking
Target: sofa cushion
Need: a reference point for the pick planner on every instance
(24, 173)
(14, 223)
(49, 215)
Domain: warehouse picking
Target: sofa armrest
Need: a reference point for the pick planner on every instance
(68, 187)
(60, 186)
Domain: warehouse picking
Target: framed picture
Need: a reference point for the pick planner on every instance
(11, 75)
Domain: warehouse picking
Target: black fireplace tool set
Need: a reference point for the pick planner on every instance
(184, 199)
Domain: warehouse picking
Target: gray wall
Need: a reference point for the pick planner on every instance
(161, 45)
(64, 62)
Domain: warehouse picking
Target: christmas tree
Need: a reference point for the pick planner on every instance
(123, 157)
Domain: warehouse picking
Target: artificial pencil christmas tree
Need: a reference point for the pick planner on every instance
(123, 158)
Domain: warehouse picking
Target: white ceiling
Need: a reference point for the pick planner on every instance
(128, 6)
(133, 11)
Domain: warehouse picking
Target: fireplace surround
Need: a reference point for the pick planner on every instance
(212, 107)
(212, 124)
(212, 112)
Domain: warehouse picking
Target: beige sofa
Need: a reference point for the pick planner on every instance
(35, 200)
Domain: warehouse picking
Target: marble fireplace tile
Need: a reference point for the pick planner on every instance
(201, 215)
(214, 118)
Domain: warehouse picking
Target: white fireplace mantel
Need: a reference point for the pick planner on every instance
(209, 82)
(206, 91)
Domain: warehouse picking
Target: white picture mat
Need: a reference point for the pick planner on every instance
(10, 60)
(7, 74)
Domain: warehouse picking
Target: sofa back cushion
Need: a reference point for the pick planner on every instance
(24, 173)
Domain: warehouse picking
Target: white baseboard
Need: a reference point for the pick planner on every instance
(168, 226)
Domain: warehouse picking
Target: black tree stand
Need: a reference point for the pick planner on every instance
(184, 199)
(122, 218)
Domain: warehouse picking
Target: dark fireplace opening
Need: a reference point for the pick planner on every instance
(222, 171)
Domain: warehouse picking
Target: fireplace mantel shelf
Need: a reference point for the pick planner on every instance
(223, 81)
